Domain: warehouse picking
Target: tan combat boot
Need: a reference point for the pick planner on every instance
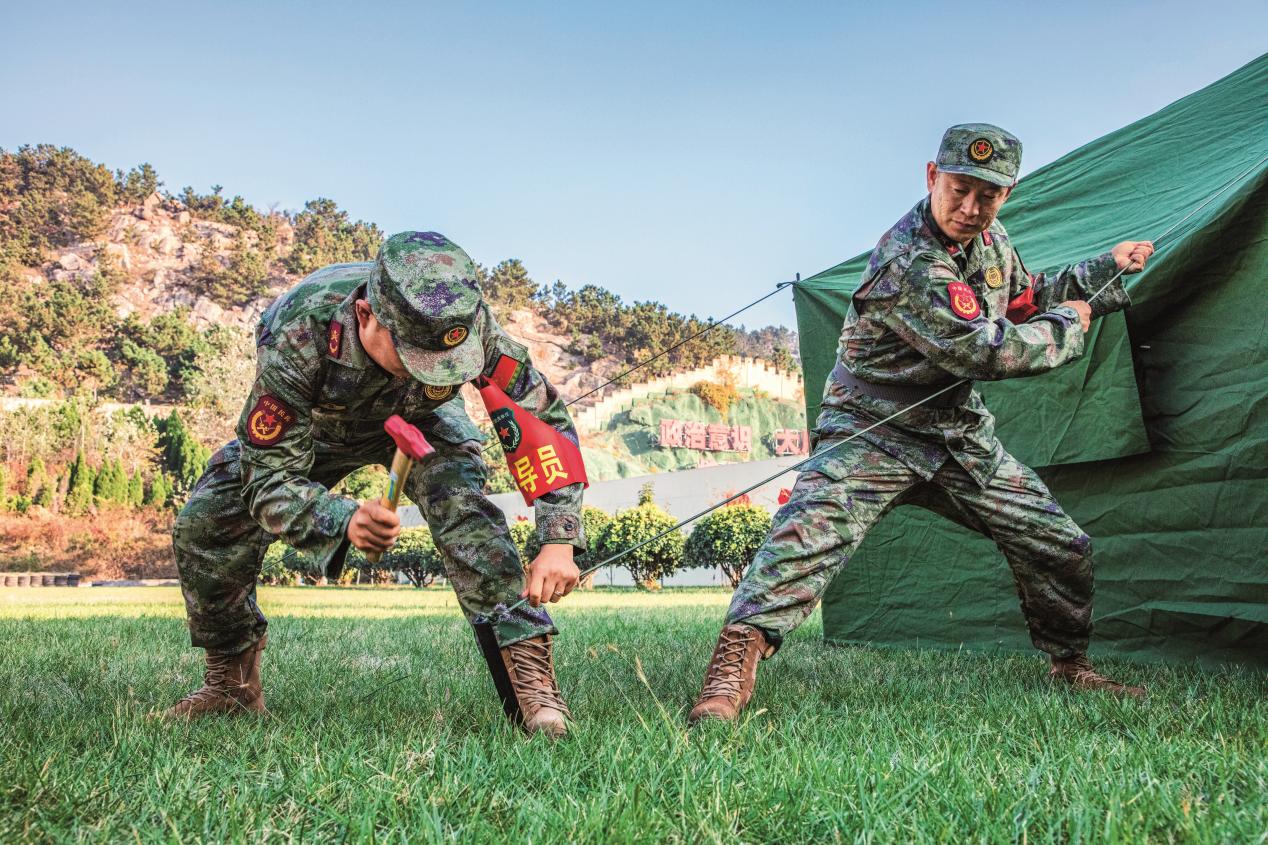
(532, 671)
(231, 685)
(1077, 671)
(732, 674)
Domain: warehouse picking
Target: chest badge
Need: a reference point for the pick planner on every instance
(437, 394)
(994, 278)
(963, 302)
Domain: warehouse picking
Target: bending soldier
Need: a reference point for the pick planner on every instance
(349, 346)
(944, 297)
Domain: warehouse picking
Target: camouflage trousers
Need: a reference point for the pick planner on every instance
(219, 547)
(841, 495)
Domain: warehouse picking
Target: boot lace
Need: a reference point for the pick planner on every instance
(725, 672)
(215, 682)
(534, 677)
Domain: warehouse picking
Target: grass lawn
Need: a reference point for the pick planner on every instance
(384, 725)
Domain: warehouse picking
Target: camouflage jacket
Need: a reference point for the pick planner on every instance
(929, 312)
(315, 384)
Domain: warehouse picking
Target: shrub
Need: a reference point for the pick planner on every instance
(717, 396)
(631, 527)
(728, 538)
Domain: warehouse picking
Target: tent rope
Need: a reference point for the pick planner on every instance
(616, 557)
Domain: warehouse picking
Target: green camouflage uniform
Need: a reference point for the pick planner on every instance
(316, 413)
(903, 330)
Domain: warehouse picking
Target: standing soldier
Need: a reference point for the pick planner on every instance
(944, 297)
(348, 347)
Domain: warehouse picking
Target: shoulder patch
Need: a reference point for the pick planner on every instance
(507, 363)
(963, 301)
(334, 338)
(269, 420)
(986, 238)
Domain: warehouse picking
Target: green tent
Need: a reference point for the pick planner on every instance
(1156, 441)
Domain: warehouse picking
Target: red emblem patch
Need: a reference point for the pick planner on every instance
(963, 301)
(334, 338)
(986, 238)
(269, 420)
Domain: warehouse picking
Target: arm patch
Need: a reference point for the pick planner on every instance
(269, 420)
(507, 363)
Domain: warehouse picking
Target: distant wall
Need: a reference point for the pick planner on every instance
(746, 372)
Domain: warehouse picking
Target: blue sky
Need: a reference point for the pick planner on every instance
(694, 154)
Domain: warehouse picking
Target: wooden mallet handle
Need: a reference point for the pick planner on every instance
(410, 446)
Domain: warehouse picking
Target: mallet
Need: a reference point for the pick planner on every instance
(410, 446)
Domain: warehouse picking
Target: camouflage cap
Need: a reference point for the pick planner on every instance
(423, 290)
(981, 150)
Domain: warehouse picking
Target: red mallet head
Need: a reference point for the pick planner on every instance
(408, 438)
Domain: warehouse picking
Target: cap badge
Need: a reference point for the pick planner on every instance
(436, 393)
(994, 278)
(455, 336)
(981, 150)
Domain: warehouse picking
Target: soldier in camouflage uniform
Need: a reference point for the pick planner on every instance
(945, 297)
(349, 346)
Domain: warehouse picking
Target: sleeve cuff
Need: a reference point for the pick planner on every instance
(1114, 298)
(559, 526)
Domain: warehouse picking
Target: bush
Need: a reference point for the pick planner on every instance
(416, 557)
(728, 538)
(717, 396)
(631, 527)
(160, 492)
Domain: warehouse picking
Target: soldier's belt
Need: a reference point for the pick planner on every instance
(905, 394)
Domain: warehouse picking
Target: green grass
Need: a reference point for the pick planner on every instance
(385, 726)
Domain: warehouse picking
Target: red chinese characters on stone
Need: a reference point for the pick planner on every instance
(792, 441)
(715, 437)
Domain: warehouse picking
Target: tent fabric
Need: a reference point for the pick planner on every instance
(1156, 441)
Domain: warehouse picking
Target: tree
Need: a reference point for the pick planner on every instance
(160, 491)
(79, 493)
(629, 528)
(136, 490)
(728, 538)
(324, 235)
(415, 555)
(50, 197)
(111, 485)
(138, 183)
(37, 482)
(183, 456)
(509, 286)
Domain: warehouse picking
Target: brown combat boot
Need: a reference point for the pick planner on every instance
(532, 672)
(732, 674)
(1077, 671)
(231, 685)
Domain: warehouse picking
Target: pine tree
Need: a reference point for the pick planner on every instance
(79, 493)
(160, 491)
(36, 480)
(183, 456)
(136, 490)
